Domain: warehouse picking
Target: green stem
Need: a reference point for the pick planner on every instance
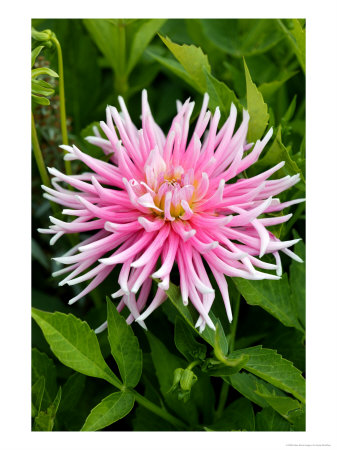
(39, 160)
(222, 400)
(193, 364)
(158, 411)
(63, 115)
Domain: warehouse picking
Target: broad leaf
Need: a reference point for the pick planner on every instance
(193, 60)
(220, 94)
(109, 410)
(72, 391)
(44, 421)
(165, 364)
(141, 39)
(257, 108)
(74, 344)
(268, 89)
(269, 420)
(124, 347)
(272, 296)
(238, 416)
(271, 367)
(186, 343)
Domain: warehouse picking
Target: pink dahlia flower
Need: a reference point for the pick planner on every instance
(162, 200)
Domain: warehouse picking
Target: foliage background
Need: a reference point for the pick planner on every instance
(99, 66)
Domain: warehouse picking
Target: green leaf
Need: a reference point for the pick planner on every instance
(193, 60)
(42, 88)
(44, 71)
(39, 255)
(297, 281)
(124, 347)
(37, 395)
(74, 344)
(72, 391)
(269, 420)
(238, 416)
(35, 54)
(145, 420)
(109, 410)
(278, 152)
(219, 94)
(43, 366)
(40, 100)
(44, 421)
(257, 109)
(296, 38)
(271, 367)
(165, 364)
(141, 39)
(185, 341)
(273, 296)
(268, 89)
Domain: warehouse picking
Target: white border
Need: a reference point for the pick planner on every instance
(321, 229)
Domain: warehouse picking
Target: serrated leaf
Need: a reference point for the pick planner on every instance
(74, 344)
(37, 395)
(193, 60)
(186, 343)
(35, 54)
(269, 420)
(141, 39)
(165, 364)
(44, 421)
(273, 296)
(257, 108)
(238, 416)
(44, 71)
(109, 410)
(43, 366)
(220, 94)
(271, 367)
(124, 347)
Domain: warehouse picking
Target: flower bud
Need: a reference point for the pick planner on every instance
(188, 378)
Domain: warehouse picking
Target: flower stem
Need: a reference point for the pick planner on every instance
(63, 115)
(222, 400)
(159, 411)
(39, 160)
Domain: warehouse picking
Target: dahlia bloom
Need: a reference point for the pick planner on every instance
(162, 200)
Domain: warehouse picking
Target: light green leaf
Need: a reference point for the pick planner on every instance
(269, 420)
(257, 108)
(193, 60)
(43, 366)
(271, 367)
(44, 71)
(74, 344)
(273, 296)
(220, 94)
(44, 421)
(238, 416)
(109, 410)
(141, 39)
(42, 88)
(124, 347)
(165, 364)
(186, 343)
(37, 395)
(40, 100)
(35, 54)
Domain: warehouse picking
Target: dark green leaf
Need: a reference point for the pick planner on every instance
(238, 416)
(296, 39)
(271, 367)
(112, 408)
(220, 94)
(268, 89)
(39, 255)
(273, 296)
(124, 347)
(269, 420)
(186, 343)
(37, 395)
(43, 366)
(74, 344)
(257, 108)
(297, 281)
(72, 392)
